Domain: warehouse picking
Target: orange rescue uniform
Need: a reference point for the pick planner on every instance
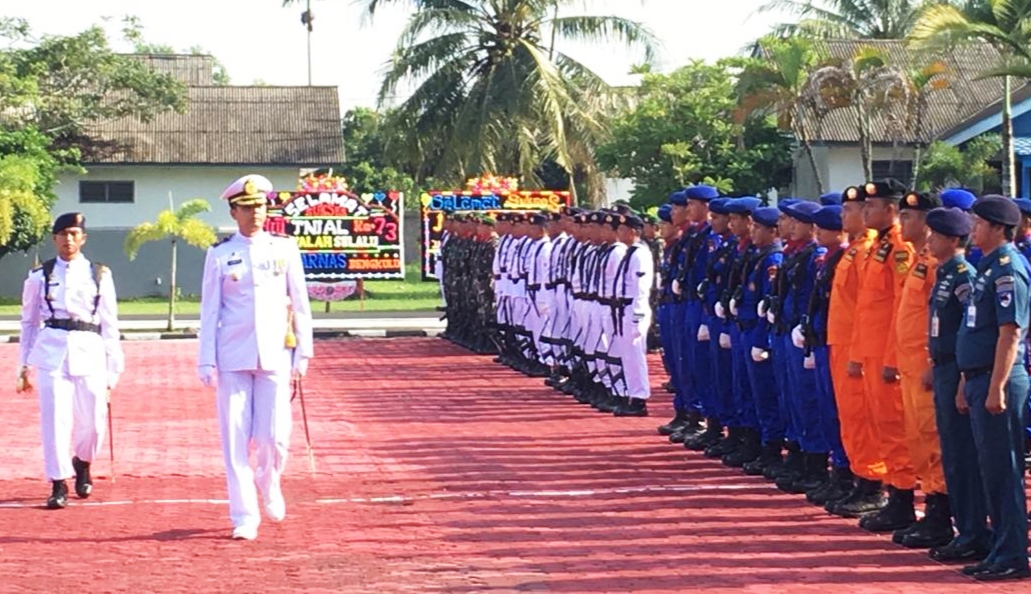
(881, 276)
(857, 433)
(911, 329)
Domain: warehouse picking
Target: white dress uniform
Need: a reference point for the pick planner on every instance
(607, 284)
(538, 269)
(249, 285)
(76, 366)
(637, 318)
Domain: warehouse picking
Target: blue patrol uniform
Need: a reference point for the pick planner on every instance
(800, 278)
(999, 297)
(710, 291)
(757, 335)
(745, 416)
(780, 341)
(696, 356)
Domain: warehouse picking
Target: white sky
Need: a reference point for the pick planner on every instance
(259, 39)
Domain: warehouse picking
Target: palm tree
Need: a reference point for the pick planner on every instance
(922, 82)
(777, 84)
(847, 19)
(494, 88)
(175, 226)
(1003, 24)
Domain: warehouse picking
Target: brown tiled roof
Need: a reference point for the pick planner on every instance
(964, 96)
(191, 70)
(230, 126)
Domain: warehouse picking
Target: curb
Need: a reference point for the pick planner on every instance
(318, 335)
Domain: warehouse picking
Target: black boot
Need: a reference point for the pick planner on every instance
(83, 482)
(865, 497)
(793, 464)
(898, 514)
(678, 421)
(935, 529)
(838, 486)
(691, 427)
(712, 435)
(749, 450)
(725, 446)
(609, 403)
(632, 407)
(814, 475)
(58, 496)
(769, 456)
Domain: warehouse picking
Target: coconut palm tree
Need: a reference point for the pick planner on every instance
(847, 19)
(1006, 26)
(493, 86)
(777, 85)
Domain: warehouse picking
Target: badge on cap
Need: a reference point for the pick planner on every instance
(871, 189)
(852, 193)
(912, 199)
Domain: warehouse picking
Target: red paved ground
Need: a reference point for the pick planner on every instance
(436, 472)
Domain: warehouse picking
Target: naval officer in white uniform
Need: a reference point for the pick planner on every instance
(255, 334)
(69, 333)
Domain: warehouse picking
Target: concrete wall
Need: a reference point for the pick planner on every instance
(840, 167)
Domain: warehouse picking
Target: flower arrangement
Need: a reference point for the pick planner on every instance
(491, 184)
(331, 291)
(323, 180)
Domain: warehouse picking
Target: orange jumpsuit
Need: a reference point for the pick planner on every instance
(857, 433)
(913, 360)
(881, 277)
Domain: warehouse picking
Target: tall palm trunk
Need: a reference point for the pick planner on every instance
(865, 142)
(807, 146)
(1009, 177)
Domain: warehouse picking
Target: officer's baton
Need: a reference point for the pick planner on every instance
(299, 391)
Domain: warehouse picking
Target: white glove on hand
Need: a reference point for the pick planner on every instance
(718, 309)
(797, 338)
(300, 366)
(771, 317)
(676, 287)
(809, 362)
(112, 380)
(760, 310)
(206, 373)
(759, 355)
(724, 340)
(733, 306)
(703, 333)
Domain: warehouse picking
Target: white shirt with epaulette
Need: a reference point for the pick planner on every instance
(249, 283)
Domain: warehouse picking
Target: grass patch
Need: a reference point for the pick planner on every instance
(410, 294)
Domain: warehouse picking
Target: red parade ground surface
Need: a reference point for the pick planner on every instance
(437, 471)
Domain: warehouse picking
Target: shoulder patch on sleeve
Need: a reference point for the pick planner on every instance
(221, 241)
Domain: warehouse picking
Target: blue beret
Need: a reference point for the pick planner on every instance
(952, 221)
(744, 205)
(828, 217)
(1024, 205)
(702, 192)
(999, 210)
(666, 213)
(67, 221)
(766, 216)
(679, 198)
(830, 198)
(919, 201)
(801, 211)
(957, 198)
(719, 206)
(786, 202)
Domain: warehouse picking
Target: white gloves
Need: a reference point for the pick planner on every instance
(771, 317)
(724, 340)
(760, 309)
(809, 362)
(676, 287)
(112, 379)
(759, 355)
(797, 337)
(206, 373)
(703, 333)
(733, 306)
(718, 309)
(300, 365)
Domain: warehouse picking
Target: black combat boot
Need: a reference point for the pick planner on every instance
(838, 485)
(898, 514)
(769, 456)
(725, 446)
(712, 435)
(814, 475)
(749, 450)
(58, 496)
(793, 464)
(83, 482)
(935, 529)
(632, 407)
(865, 497)
(692, 426)
(679, 420)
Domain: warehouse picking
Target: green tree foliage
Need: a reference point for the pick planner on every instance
(862, 19)
(28, 174)
(683, 130)
(947, 166)
(175, 226)
(368, 168)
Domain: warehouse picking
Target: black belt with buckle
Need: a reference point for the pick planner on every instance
(976, 372)
(70, 325)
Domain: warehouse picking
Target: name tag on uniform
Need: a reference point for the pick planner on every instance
(234, 262)
(934, 325)
(971, 316)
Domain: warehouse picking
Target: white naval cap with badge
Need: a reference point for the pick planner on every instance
(249, 190)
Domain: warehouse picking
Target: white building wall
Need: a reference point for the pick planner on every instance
(845, 164)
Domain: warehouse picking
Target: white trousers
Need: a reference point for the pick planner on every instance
(72, 413)
(253, 406)
(632, 348)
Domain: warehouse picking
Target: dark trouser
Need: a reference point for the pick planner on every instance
(806, 401)
(698, 360)
(765, 392)
(828, 407)
(780, 356)
(1000, 451)
(722, 372)
(745, 415)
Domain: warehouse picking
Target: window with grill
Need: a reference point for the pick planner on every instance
(900, 170)
(107, 192)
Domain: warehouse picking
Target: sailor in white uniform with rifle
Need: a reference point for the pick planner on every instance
(255, 336)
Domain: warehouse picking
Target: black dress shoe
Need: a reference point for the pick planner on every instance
(83, 482)
(951, 553)
(996, 573)
(632, 407)
(59, 496)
